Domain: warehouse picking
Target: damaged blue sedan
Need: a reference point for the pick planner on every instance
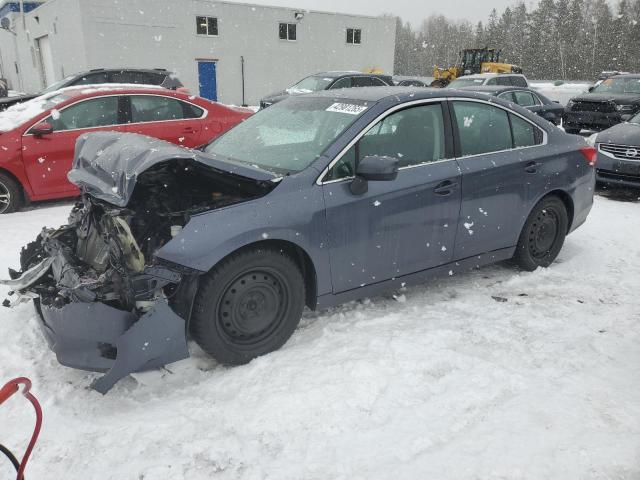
(316, 201)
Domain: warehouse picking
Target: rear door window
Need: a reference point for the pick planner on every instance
(92, 78)
(137, 78)
(518, 81)
(342, 83)
(503, 81)
(482, 128)
(362, 81)
(508, 96)
(524, 133)
(154, 108)
(525, 99)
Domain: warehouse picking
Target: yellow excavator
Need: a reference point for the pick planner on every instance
(473, 60)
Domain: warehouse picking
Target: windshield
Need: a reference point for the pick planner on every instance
(619, 85)
(314, 83)
(466, 82)
(56, 85)
(288, 136)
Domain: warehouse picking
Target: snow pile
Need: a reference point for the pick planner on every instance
(21, 113)
(493, 374)
(561, 93)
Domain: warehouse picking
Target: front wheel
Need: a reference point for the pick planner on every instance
(248, 305)
(543, 235)
(10, 195)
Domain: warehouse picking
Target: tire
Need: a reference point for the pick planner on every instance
(11, 198)
(543, 234)
(572, 131)
(248, 305)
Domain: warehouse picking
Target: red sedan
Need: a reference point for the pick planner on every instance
(37, 138)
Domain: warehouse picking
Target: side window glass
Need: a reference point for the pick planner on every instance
(508, 96)
(92, 78)
(376, 82)
(524, 99)
(361, 81)
(149, 108)
(491, 81)
(342, 83)
(97, 112)
(519, 82)
(414, 136)
(506, 81)
(482, 128)
(524, 133)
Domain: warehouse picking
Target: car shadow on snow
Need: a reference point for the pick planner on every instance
(619, 193)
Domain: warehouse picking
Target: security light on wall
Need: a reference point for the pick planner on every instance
(299, 16)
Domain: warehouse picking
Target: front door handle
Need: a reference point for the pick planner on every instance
(189, 130)
(445, 188)
(532, 167)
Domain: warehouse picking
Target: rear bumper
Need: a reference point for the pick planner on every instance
(591, 120)
(100, 338)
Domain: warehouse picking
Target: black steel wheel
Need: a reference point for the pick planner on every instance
(10, 195)
(543, 234)
(248, 305)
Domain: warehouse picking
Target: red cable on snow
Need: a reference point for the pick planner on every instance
(7, 391)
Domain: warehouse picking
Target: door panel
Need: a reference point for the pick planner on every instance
(165, 118)
(397, 227)
(494, 177)
(48, 158)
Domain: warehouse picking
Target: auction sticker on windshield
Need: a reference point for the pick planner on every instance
(347, 108)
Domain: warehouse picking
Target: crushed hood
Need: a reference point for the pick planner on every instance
(106, 165)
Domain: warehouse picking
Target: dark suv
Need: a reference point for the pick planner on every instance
(615, 100)
(329, 81)
(156, 76)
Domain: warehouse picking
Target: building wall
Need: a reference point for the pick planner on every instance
(162, 33)
(60, 20)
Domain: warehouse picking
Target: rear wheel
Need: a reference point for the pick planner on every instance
(248, 305)
(10, 194)
(543, 234)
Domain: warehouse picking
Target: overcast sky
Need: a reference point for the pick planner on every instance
(413, 11)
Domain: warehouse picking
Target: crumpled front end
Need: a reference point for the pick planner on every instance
(104, 301)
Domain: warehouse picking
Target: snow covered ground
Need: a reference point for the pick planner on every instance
(490, 375)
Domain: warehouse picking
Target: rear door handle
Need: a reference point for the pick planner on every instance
(532, 167)
(189, 130)
(445, 188)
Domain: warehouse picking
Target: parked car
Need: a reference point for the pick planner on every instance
(402, 81)
(37, 137)
(4, 89)
(317, 200)
(527, 98)
(615, 100)
(619, 154)
(328, 81)
(97, 76)
(490, 79)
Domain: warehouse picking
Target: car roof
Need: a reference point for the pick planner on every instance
(626, 75)
(347, 74)
(402, 94)
(161, 71)
(492, 88)
(491, 75)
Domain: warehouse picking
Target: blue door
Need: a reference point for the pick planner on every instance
(207, 80)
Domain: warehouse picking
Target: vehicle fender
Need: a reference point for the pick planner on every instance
(289, 213)
(11, 161)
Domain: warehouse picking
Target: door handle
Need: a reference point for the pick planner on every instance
(445, 188)
(532, 167)
(189, 130)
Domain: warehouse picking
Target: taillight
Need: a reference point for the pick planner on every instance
(591, 154)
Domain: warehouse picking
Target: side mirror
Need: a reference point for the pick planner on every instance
(373, 168)
(42, 128)
(591, 89)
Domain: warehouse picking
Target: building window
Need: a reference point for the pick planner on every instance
(354, 36)
(207, 26)
(287, 31)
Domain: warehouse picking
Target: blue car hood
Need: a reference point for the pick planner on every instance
(106, 165)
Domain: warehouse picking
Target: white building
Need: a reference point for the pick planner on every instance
(206, 43)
